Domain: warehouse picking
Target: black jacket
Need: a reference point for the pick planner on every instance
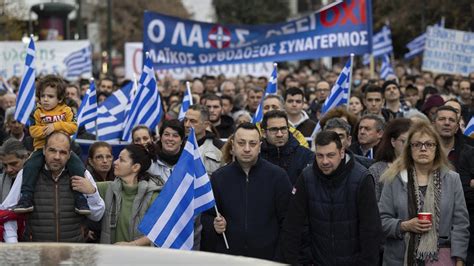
(292, 157)
(226, 127)
(345, 225)
(254, 207)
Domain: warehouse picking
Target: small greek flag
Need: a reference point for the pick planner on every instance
(25, 103)
(271, 89)
(187, 101)
(386, 68)
(87, 114)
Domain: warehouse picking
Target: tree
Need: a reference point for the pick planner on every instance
(127, 19)
(251, 12)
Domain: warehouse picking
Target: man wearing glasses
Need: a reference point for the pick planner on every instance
(251, 195)
(281, 148)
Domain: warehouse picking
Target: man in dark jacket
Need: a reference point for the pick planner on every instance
(281, 148)
(343, 129)
(224, 124)
(460, 154)
(252, 196)
(337, 196)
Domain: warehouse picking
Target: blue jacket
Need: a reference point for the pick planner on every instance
(254, 207)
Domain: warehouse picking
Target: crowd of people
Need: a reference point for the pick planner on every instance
(386, 180)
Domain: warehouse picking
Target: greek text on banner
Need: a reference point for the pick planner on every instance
(341, 29)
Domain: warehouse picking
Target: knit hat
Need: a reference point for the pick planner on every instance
(433, 101)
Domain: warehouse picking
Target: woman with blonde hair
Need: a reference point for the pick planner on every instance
(420, 181)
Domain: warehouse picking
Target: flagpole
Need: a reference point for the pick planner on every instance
(95, 121)
(223, 233)
(275, 65)
(188, 88)
(372, 66)
(350, 82)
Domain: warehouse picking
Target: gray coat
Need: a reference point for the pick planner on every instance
(6, 183)
(454, 218)
(211, 156)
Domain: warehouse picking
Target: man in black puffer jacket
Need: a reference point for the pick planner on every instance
(336, 195)
(281, 148)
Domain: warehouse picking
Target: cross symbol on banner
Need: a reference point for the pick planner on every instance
(219, 37)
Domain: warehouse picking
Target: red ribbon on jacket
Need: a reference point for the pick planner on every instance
(6, 216)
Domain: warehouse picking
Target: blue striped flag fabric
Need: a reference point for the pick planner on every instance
(339, 93)
(187, 101)
(169, 222)
(386, 68)
(417, 45)
(4, 86)
(381, 44)
(271, 89)
(146, 108)
(25, 103)
(87, 114)
(469, 131)
(78, 63)
(111, 114)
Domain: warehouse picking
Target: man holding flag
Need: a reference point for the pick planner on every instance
(252, 196)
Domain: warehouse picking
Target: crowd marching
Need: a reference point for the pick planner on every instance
(386, 178)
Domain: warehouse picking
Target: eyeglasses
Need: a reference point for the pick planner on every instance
(103, 157)
(427, 145)
(275, 130)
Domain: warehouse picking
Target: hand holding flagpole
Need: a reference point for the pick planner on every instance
(223, 233)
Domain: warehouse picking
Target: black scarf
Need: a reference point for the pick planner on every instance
(170, 159)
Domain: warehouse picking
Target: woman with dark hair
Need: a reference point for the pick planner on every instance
(168, 149)
(142, 135)
(390, 147)
(128, 197)
(356, 106)
(422, 207)
(99, 161)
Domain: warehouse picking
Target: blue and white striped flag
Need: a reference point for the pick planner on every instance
(169, 222)
(146, 108)
(381, 44)
(271, 89)
(386, 68)
(87, 114)
(417, 45)
(4, 86)
(469, 131)
(25, 104)
(339, 93)
(111, 114)
(78, 63)
(187, 101)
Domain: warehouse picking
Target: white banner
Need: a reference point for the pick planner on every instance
(448, 51)
(134, 63)
(49, 57)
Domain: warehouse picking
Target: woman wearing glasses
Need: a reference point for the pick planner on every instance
(422, 206)
(99, 161)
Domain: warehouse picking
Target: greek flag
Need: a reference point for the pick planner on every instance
(381, 44)
(78, 63)
(339, 93)
(25, 103)
(417, 45)
(271, 89)
(469, 131)
(146, 106)
(169, 222)
(187, 101)
(4, 86)
(386, 68)
(111, 114)
(87, 114)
